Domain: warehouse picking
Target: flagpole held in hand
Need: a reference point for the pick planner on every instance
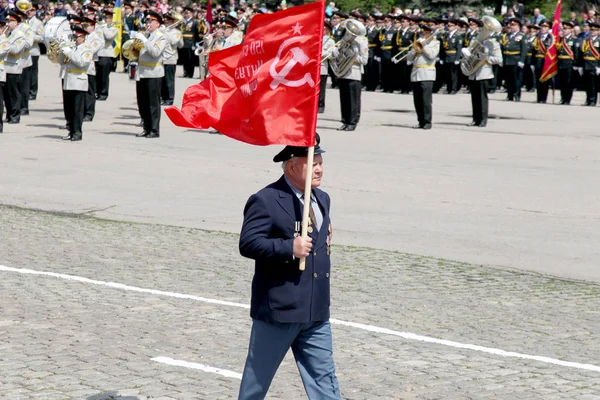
(307, 189)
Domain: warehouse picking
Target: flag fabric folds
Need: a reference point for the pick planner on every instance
(266, 90)
(551, 60)
(118, 23)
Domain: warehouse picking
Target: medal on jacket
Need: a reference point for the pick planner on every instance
(297, 226)
(310, 228)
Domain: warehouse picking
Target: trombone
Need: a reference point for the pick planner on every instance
(417, 46)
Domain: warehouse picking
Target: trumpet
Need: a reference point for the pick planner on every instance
(417, 46)
(179, 20)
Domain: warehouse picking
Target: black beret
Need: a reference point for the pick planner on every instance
(289, 152)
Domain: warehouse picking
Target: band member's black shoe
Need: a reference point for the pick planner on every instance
(473, 123)
(68, 137)
(350, 127)
(517, 99)
(418, 127)
(143, 134)
(87, 118)
(141, 123)
(321, 110)
(167, 103)
(24, 111)
(482, 125)
(427, 126)
(31, 97)
(14, 121)
(102, 98)
(342, 128)
(153, 135)
(509, 99)
(76, 138)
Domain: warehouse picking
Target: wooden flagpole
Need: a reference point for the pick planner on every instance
(307, 189)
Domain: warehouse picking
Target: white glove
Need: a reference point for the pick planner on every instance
(336, 52)
(456, 62)
(520, 64)
(142, 37)
(580, 69)
(409, 63)
(597, 70)
(441, 62)
(133, 35)
(66, 50)
(378, 59)
(532, 68)
(575, 69)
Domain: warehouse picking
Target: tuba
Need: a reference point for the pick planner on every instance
(341, 64)
(23, 5)
(473, 57)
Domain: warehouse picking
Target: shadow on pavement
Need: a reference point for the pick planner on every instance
(396, 110)
(491, 116)
(125, 123)
(46, 125)
(46, 109)
(121, 133)
(50, 136)
(112, 395)
(128, 117)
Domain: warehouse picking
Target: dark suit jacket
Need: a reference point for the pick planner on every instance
(280, 291)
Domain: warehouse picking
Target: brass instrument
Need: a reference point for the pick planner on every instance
(474, 55)
(23, 5)
(341, 64)
(132, 48)
(55, 48)
(328, 56)
(418, 46)
(179, 20)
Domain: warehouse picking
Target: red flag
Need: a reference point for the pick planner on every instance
(551, 60)
(209, 16)
(266, 90)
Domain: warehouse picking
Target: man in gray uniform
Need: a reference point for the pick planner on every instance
(26, 61)
(149, 74)
(37, 28)
(96, 41)
(105, 56)
(423, 75)
(174, 42)
(14, 68)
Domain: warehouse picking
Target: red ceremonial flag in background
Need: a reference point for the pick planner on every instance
(266, 90)
(551, 60)
(209, 16)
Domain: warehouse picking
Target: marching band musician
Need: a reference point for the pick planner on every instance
(5, 48)
(401, 42)
(190, 38)
(350, 82)
(233, 36)
(328, 46)
(37, 28)
(174, 42)
(480, 81)
(529, 76)
(26, 61)
(149, 74)
(452, 45)
(337, 33)
(372, 74)
(385, 47)
(540, 47)
(14, 67)
(589, 64)
(568, 52)
(212, 42)
(514, 50)
(96, 41)
(423, 75)
(105, 56)
(76, 61)
(129, 26)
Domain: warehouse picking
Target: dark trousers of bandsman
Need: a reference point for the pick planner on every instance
(322, 91)
(12, 97)
(372, 75)
(188, 60)
(2, 106)
(405, 70)
(397, 75)
(439, 77)
(423, 100)
(33, 87)
(479, 100)
(387, 76)
(74, 107)
(542, 87)
(103, 67)
(350, 101)
(334, 78)
(25, 87)
(148, 101)
(451, 73)
(496, 81)
(565, 80)
(590, 81)
(90, 99)
(512, 78)
(529, 78)
(167, 90)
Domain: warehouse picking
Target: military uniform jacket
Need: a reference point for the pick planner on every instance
(494, 58)
(236, 38)
(280, 291)
(361, 48)
(338, 32)
(189, 28)
(514, 49)
(174, 42)
(26, 60)
(386, 37)
(452, 45)
(372, 34)
(568, 51)
(540, 48)
(589, 57)
(37, 29)
(4, 49)
(150, 63)
(76, 77)
(128, 26)
(108, 34)
(328, 46)
(96, 43)
(13, 63)
(469, 37)
(424, 63)
(402, 40)
(529, 48)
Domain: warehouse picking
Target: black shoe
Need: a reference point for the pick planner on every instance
(102, 98)
(24, 112)
(14, 121)
(561, 102)
(482, 125)
(68, 137)
(143, 134)
(350, 127)
(530, 90)
(427, 126)
(167, 103)
(509, 99)
(492, 91)
(473, 123)
(453, 92)
(321, 110)
(418, 127)
(153, 135)
(141, 123)
(31, 97)
(342, 128)
(447, 92)
(64, 127)
(76, 138)
(517, 99)
(87, 118)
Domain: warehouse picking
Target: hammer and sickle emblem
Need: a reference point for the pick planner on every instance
(279, 78)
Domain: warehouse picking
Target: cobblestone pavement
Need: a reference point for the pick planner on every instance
(71, 340)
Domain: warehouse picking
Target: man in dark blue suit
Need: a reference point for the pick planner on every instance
(289, 307)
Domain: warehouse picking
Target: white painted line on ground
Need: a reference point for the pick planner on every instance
(201, 367)
(369, 328)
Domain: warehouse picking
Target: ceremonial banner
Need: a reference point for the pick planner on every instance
(551, 60)
(266, 90)
(209, 16)
(118, 23)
